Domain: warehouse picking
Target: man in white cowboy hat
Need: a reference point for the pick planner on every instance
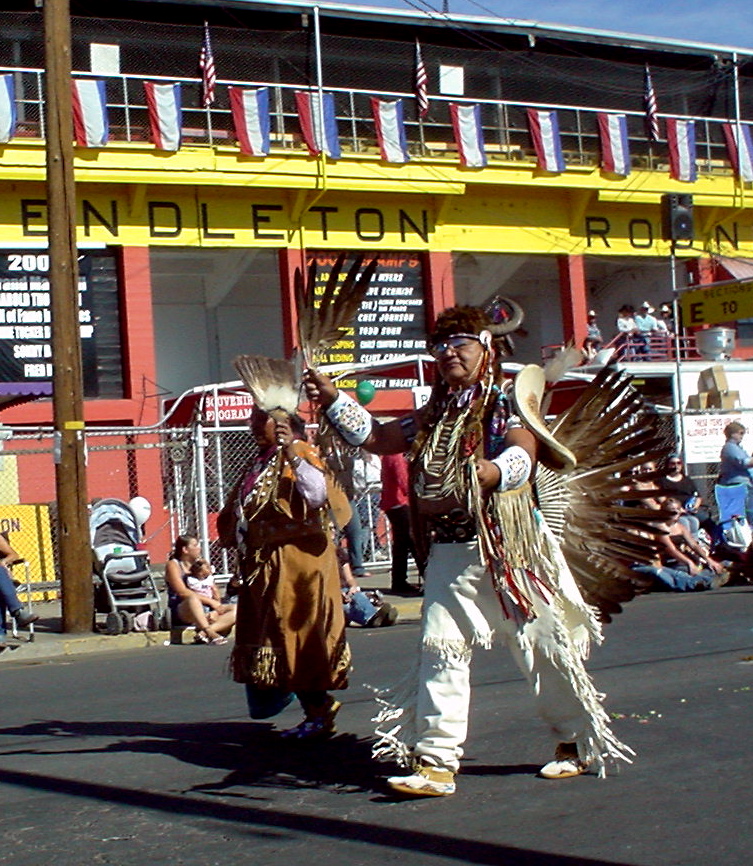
(646, 325)
(494, 572)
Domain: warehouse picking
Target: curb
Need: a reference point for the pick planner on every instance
(54, 645)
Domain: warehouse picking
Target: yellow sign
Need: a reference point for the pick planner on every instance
(716, 304)
(29, 534)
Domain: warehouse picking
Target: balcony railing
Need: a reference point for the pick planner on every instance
(504, 123)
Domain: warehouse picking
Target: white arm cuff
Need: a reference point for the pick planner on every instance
(514, 465)
(350, 419)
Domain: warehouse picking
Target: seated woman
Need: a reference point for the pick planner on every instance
(8, 598)
(192, 595)
(678, 482)
(682, 564)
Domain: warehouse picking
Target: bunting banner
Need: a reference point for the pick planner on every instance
(165, 117)
(250, 108)
(318, 122)
(615, 156)
(90, 125)
(469, 136)
(545, 132)
(681, 141)
(740, 149)
(7, 108)
(390, 129)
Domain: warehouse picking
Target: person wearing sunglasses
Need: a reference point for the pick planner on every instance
(494, 571)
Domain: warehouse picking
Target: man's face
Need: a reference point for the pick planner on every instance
(459, 359)
(262, 427)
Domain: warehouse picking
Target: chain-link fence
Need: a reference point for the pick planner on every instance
(186, 474)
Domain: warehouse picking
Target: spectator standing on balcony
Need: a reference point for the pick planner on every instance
(666, 320)
(593, 341)
(646, 326)
(626, 330)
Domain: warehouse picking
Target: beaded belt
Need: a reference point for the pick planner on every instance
(455, 527)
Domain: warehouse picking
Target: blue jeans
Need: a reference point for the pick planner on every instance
(359, 609)
(677, 580)
(8, 598)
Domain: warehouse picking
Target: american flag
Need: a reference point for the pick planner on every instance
(649, 103)
(208, 72)
(422, 96)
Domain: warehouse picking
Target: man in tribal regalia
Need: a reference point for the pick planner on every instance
(495, 570)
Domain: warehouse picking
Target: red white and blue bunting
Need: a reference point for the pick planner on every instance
(7, 108)
(390, 129)
(318, 122)
(615, 156)
(740, 149)
(545, 134)
(250, 108)
(469, 136)
(165, 116)
(681, 141)
(90, 125)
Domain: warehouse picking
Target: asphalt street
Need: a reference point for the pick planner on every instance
(147, 757)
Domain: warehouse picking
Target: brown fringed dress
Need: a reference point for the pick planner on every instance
(290, 628)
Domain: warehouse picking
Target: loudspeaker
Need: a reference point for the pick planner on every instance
(677, 217)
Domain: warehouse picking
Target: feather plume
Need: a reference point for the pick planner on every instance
(270, 381)
(322, 323)
(561, 363)
(598, 518)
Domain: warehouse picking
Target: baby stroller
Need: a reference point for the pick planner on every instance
(124, 588)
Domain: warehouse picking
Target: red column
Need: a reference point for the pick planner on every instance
(289, 260)
(137, 327)
(439, 284)
(573, 298)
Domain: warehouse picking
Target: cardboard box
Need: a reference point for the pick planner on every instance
(723, 399)
(698, 401)
(713, 379)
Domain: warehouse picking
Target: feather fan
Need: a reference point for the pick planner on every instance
(599, 520)
(270, 381)
(322, 322)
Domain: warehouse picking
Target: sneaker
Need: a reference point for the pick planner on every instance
(24, 617)
(425, 781)
(386, 615)
(318, 724)
(566, 763)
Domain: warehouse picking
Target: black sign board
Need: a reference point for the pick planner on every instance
(391, 322)
(26, 321)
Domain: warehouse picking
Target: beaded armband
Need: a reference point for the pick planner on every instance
(350, 420)
(514, 465)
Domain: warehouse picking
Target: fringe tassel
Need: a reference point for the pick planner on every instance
(255, 664)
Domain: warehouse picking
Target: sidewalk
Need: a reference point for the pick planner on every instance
(49, 642)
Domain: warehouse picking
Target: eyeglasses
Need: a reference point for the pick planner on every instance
(674, 463)
(456, 342)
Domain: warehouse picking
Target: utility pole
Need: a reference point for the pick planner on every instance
(67, 379)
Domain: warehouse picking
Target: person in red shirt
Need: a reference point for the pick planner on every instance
(394, 504)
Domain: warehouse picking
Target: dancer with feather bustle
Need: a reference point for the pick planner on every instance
(495, 570)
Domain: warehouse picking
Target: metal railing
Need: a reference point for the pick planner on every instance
(504, 122)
